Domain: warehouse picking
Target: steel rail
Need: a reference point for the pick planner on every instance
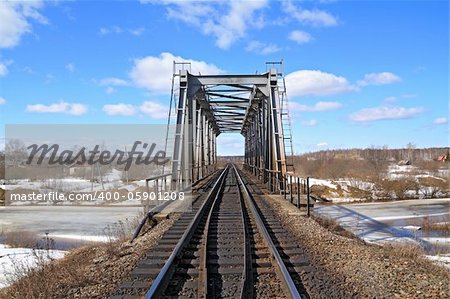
(246, 290)
(161, 281)
(203, 269)
(281, 267)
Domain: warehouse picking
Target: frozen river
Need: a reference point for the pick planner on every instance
(389, 221)
(68, 225)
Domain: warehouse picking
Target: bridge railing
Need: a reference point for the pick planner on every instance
(294, 188)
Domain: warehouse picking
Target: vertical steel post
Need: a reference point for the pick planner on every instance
(298, 193)
(290, 190)
(307, 197)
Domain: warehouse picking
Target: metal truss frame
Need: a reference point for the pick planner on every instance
(209, 105)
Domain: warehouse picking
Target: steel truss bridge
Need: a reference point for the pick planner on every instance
(254, 105)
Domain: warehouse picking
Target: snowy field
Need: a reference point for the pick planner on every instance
(12, 259)
(345, 190)
(110, 182)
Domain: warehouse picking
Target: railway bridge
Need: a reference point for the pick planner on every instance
(254, 105)
(231, 244)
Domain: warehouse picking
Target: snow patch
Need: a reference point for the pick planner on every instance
(326, 183)
(10, 258)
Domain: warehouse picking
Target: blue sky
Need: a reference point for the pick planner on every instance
(359, 73)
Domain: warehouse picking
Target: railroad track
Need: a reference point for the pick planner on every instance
(227, 247)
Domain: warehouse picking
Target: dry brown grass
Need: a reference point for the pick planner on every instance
(40, 281)
(20, 239)
(91, 271)
(406, 250)
(333, 226)
(440, 223)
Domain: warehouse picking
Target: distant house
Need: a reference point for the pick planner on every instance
(443, 158)
(80, 171)
(404, 162)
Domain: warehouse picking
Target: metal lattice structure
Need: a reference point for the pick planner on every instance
(209, 105)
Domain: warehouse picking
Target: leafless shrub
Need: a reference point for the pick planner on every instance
(39, 279)
(408, 250)
(334, 168)
(436, 223)
(397, 189)
(22, 268)
(20, 239)
(118, 232)
(359, 193)
(2, 196)
(430, 187)
(333, 226)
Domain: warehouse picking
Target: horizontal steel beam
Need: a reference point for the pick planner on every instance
(230, 79)
(220, 95)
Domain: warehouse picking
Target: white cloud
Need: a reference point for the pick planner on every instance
(392, 99)
(49, 78)
(109, 30)
(300, 37)
(155, 72)
(384, 113)
(3, 69)
(310, 123)
(262, 48)
(110, 90)
(379, 79)
(137, 31)
(317, 107)
(118, 30)
(70, 67)
(112, 81)
(119, 109)
(154, 109)
(226, 21)
(60, 107)
(322, 144)
(16, 19)
(316, 83)
(440, 121)
(314, 17)
(2, 101)
(231, 27)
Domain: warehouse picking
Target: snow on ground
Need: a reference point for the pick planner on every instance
(141, 183)
(85, 238)
(442, 260)
(13, 258)
(345, 199)
(114, 175)
(356, 183)
(326, 183)
(110, 180)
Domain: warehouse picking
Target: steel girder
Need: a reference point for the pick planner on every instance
(214, 104)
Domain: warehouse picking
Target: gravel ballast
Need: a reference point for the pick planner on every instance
(347, 267)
